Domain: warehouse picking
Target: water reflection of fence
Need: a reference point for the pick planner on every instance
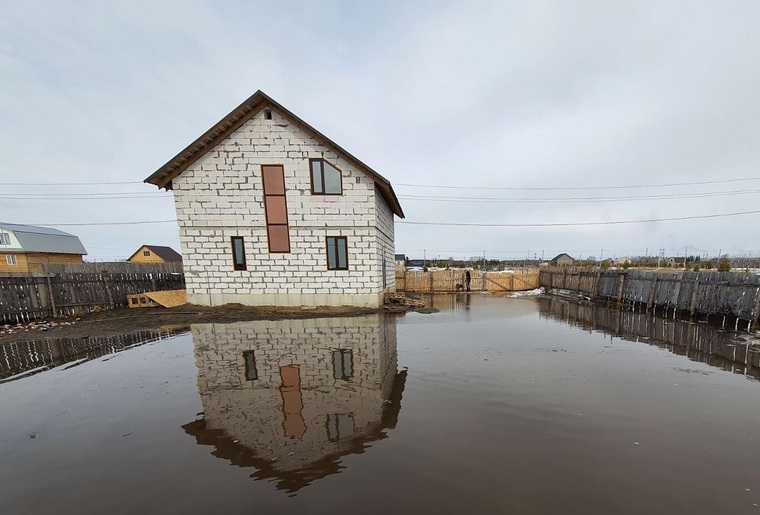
(39, 296)
(707, 293)
(697, 341)
(448, 281)
(40, 354)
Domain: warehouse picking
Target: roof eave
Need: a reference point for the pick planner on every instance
(231, 122)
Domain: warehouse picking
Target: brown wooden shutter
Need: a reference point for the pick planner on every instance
(276, 208)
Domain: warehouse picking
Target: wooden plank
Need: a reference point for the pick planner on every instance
(168, 298)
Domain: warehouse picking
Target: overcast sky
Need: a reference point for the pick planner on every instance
(491, 95)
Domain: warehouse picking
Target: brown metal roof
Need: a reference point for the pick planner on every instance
(237, 117)
(168, 254)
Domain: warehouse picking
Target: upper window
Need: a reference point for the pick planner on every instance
(325, 178)
(146, 253)
(5, 238)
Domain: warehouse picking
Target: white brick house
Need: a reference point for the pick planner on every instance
(272, 212)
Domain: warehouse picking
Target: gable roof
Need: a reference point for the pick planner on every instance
(555, 258)
(168, 254)
(33, 238)
(236, 118)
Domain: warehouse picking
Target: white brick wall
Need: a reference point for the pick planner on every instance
(221, 195)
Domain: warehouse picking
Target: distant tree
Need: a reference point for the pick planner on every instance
(724, 265)
(605, 264)
(626, 265)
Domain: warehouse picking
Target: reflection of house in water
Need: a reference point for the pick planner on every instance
(290, 397)
(738, 353)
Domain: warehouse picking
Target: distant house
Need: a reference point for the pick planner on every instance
(148, 254)
(563, 260)
(273, 212)
(400, 259)
(27, 248)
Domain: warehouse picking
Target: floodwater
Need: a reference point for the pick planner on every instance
(492, 405)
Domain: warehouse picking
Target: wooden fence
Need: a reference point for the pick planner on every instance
(707, 293)
(449, 281)
(41, 296)
(124, 267)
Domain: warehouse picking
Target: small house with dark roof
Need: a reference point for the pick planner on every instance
(149, 254)
(28, 248)
(563, 260)
(273, 212)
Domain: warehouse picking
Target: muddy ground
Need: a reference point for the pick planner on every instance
(123, 320)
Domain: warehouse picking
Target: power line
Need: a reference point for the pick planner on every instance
(466, 224)
(673, 196)
(527, 188)
(140, 222)
(594, 187)
(150, 196)
(85, 183)
(576, 224)
(84, 194)
(161, 195)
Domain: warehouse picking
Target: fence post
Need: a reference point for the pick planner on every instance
(108, 289)
(431, 280)
(693, 302)
(621, 287)
(755, 324)
(595, 291)
(51, 296)
(653, 294)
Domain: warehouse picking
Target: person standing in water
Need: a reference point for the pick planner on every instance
(467, 280)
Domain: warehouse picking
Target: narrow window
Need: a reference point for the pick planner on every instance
(251, 374)
(10, 259)
(325, 178)
(343, 364)
(276, 208)
(146, 253)
(385, 277)
(337, 253)
(238, 253)
(267, 114)
(339, 426)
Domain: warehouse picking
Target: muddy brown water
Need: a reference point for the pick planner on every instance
(492, 405)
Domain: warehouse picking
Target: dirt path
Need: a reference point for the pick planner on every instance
(125, 320)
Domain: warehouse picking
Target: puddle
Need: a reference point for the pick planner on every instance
(492, 405)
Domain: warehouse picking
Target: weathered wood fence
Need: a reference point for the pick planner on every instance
(41, 296)
(697, 293)
(124, 267)
(449, 281)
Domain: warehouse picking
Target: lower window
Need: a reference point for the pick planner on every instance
(337, 253)
(238, 253)
(10, 259)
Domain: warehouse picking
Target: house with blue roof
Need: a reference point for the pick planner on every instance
(29, 248)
